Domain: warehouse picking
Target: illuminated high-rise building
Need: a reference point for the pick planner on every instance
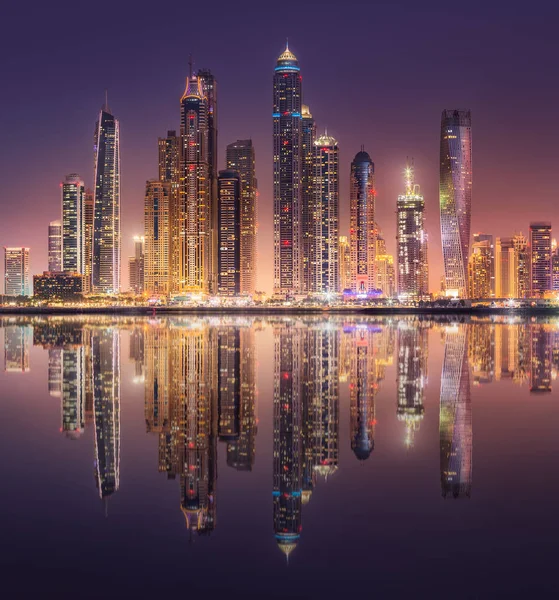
(540, 259)
(455, 420)
(362, 226)
(413, 270)
(288, 448)
(17, 279)
(455, 192)
(344, 262)
(169, 158)
(229, 234)
(105, 372)
(540, 357)
(385, 274)
(489, 252)
(506, 268)
(288, 155)
(308, 202)
(522, 251)
(157, 237)
(88, 220)
(73, 216)
(324, 260)
(136, 266)
(555, 269)
(55, 247)
(480, 267)
(17, 341)
(191, 211)
(241, 158)
(105, 271)
(413, 339)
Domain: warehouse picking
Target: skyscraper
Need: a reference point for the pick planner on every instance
(136, 266)
(540, 261)
(523, 256)
(169, 157)
(506, 269)
(413, 274)
(489, 251)
(308, 202)
(17, 280)
(287, 107)
(157, 236)
(55, 247)
(455, 192)
(362, 224)
(105, 272)
(73, 224)
(480, 267)
(241, 158)
(88, 240)
(324, 245)
(344, 263)
(229, 234)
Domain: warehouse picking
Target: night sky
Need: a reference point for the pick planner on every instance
(377, 74)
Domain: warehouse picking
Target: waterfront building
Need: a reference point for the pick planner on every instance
(241, 158)
(489, 251)
(105, 271)
(88, 239)
(555, 268)
(385, 274)
(58, 285)
(287, 166)
(344, 263)
(480, 267)
(169, 158)
(308, 203)
(136, 266)
(55, 247)
(323, 233)
(17, 279)
(522, 251)
(73, 216)
(540, 259)
(506, 269)
(362, 224)
(157, 237)
(413, 270)
(229, 233)
(455, 192)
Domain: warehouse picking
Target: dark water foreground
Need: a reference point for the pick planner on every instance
(277, 457)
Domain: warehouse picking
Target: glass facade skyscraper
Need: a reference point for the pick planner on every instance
(55, 247)
(73, 226)
(17, 279)
(455, 195)
(308, 202)
(157, 237)
(540, 263)
(229, 233)
(105, 273)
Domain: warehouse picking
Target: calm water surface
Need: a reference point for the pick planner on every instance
(279, 457)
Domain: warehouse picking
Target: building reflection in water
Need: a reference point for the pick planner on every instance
(540, 357)
(17, 341)
(481, 352)
(455, 419)
(413, 352)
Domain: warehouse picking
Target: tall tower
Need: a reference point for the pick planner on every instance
(17, 279)
(88, 239)
(480, 268)
(326, 276)
(105, 273)
(157, 235)
(229, 234)
(413, 270)
(287, 174)
(169, 157)
(192, 214)
(455, 194)
(308, 202)
(506, 269)
(344, 263)
(73, 216)
(362, 224)
(241, 158)
(55, 247)
(136, 266)
(540, 247)
(523, 256)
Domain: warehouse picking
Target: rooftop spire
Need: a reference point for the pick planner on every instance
(106, 105)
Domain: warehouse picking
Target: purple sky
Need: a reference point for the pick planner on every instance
(377, 74)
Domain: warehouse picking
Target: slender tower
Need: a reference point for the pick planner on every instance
(412, 242)
(455, 194)
(362, 224)
(287, 174)
(55, 247)
(229, 233)
(73, 224)
(89, 203)
(157, 237)
(105, 274)
(308, 202)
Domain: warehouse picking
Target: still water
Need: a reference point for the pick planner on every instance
(279, 457)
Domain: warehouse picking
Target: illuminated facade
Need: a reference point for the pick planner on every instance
(88, 239)
(288, 155)
(73, 224)
(344, 263)
(169, 158)
(136, 266)
(323, 254)
(241, 158)
(540, 259)
(57, 285)
(480, 267)
(308, 203)
(55, 247)
(413, 270)
(17, 279)
(105, 270)
(455, 419)
(362, 224)
(522, 251)
(490, 253)
(455, 191)
(157, 237)
(229, 234)
(555, 269)
(506, 269)
(385, 273)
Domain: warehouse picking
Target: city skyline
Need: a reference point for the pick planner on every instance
(492, 158)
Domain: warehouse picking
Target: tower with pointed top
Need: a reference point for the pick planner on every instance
(105, 267)
(287, 130)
